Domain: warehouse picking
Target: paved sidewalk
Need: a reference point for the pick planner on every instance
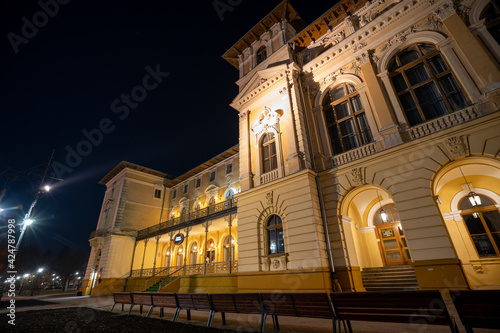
(242, 323)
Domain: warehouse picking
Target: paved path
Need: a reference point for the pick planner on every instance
(242, 323)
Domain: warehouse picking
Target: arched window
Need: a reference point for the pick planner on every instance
(491, 16)
(180, 256)
(229, 198)
(184, 214)
(424, 84)
(482, 219)
(211, 205)
(229, 244)
(210, 251)
(276, 243)
(268, 150)
(345, 119)
(193, 254)
(261, 54)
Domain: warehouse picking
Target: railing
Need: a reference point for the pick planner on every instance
(443, 122)
(98, 233)
(198, 214)
(269, 177)
(355, 154)
(211, 268)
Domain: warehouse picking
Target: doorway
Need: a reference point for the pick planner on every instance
(393, 246)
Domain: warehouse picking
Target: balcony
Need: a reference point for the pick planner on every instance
(443, 122)
(98, 233)
(199, 216)
(355, 154)
(211, 268)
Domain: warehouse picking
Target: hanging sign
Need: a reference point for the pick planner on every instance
(178, 239)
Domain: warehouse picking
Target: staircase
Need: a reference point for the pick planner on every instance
(160, 284)
(389, 278)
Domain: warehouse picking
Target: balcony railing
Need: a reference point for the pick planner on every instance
(355, 154)
(213, 211)
(443, 122)
(98, 233)
(211, 268)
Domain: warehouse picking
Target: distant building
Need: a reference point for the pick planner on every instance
(369, 146)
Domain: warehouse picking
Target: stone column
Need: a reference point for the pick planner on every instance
(476, 57)
(382, 109)
(144, 254)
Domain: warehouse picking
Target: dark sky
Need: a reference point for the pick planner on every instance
(67, 72)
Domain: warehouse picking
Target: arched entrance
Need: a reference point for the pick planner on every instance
(468, 195)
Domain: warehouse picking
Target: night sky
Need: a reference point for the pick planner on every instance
(68, 77)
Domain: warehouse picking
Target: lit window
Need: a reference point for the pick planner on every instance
(276, 243)
(345, 118)
(261, 54)
(269, 157)
(483, 223)
(424, 84)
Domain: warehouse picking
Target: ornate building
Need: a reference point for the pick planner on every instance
(368, 158)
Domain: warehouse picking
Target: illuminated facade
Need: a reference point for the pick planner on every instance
(368, 143)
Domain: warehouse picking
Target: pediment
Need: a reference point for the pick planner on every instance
(260, 78)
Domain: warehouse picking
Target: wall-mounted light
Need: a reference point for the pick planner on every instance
(474, 199)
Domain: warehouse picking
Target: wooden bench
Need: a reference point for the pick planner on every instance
(123, 298)
(236, 303)
(188, 302)
(141, 299)
(311, 305)
(477, 308)
(162, 300)
(412, 307)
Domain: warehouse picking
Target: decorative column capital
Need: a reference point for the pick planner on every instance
(445, 10)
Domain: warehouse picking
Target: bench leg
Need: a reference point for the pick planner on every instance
(150, 310)
(348, 325)
(263, 322)
(223, 318)
(113, 307)
(131, 306)
(122, 307)
(161, 313)
(209, 321)
(334, 328)
(276, 324)
(140, 308)
(188, 314)
(177, 310)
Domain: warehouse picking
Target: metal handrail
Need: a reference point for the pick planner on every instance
(205, 212)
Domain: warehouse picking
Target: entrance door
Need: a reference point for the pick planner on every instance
(393, 244)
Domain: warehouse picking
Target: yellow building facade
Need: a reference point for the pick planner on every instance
(368, 159)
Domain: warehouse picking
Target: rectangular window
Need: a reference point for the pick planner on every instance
(185, 189)
(212, 176)
(229, 168)
(174, 194)
(198, 182)
(157, 194)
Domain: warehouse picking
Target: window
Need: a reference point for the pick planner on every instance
(261, 54)
(424, 84)
(276, 243)
(229, 168)
(210, 252)
(211, 205)
(229, 244)
(157, 194)
(345, 119)
(269, 157)
(174, 194)
(386, 214)
(211, 177)
(185, 189)
(491, 16)
(194, 254)
(483, 223)
(198, 182)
